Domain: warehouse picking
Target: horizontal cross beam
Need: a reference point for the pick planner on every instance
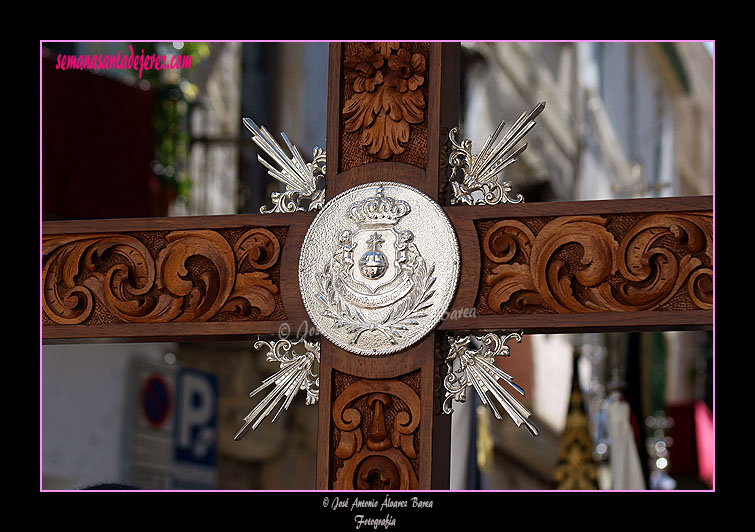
(559, 267)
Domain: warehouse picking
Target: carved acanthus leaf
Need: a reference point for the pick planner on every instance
(191, 277)
(387, 97)
(575, 264)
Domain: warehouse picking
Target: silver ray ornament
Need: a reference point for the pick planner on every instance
(468, 366)
(297, 372)
(480, 170)
(301, 178)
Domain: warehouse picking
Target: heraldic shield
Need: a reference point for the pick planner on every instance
(379, 267)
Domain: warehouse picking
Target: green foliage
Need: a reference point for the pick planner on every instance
(175, 97)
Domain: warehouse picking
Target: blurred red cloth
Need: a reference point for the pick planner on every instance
(705, 442)
(683, 452)
(97, 146)
(692, 452)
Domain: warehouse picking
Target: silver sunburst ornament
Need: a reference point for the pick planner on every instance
(300, 177)
(479, 185)
(468, 366)
(299, 370)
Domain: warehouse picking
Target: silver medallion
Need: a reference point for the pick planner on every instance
(378, 268)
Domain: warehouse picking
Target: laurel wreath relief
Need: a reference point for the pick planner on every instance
(387, 97)
(401, 316)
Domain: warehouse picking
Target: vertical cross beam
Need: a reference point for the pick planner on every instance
(380, 424)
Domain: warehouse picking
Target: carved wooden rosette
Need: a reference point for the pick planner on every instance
(388, 113)
(383, 109)
(593, 263)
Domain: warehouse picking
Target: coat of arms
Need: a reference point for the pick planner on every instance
(372, 278)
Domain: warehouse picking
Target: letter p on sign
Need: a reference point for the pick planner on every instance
(196, 417)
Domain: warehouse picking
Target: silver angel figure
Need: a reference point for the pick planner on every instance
(480, 170)
(297, 372)
(476, 368)
(301, 178)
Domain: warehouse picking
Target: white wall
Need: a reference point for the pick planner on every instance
(83, 401)
(629, 121)
(552, 374)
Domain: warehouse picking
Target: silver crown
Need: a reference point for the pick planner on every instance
(378, 210)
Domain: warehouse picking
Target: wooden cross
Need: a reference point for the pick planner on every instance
(588, 266)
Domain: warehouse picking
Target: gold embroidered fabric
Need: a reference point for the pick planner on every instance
(576, 468)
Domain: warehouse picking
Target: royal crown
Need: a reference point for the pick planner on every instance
(378, 209)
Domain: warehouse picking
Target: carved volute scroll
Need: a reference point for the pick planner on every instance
(384, 105)
(159, 277)
(596, 263)
(375, 433)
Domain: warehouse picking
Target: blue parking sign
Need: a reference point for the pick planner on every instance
(195, 432)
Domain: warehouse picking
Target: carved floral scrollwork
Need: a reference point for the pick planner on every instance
(661, 257)
(376, 447)
(387, 97)
(195, 276)
(260, 249)
(68, 302)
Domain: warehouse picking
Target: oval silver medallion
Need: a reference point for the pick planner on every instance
(378, 268)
